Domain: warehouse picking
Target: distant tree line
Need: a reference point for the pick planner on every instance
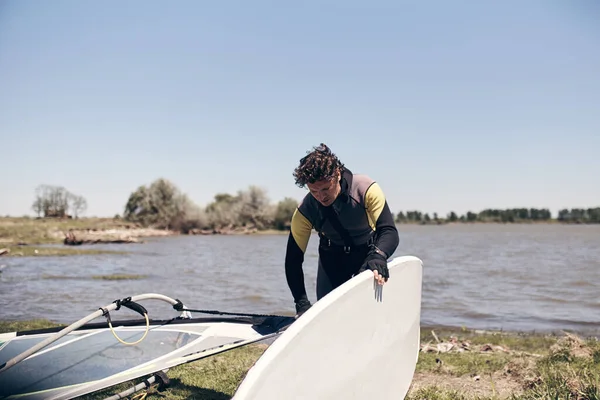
(580, 215)
(162, 205)
(511, 215)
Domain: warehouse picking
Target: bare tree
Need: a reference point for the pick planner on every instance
(38, 206)
(55, 201)
(78, 205)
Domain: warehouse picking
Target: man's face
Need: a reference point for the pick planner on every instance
(325, 191)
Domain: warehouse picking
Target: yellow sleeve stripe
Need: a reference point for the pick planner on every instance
(374, 201)
(301, 229)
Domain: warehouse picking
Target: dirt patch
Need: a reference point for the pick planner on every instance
(521, 371)
(573, 345)
(499, 385)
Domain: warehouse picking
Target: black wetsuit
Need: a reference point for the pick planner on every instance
(364, 218)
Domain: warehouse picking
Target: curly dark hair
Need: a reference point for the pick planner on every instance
(317, 165)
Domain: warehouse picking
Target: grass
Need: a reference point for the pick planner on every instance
(529, 367)
(33, 251)
(527, 342)
(461, 364)
(14, 326)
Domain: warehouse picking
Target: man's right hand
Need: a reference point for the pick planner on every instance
(377, 262)
(301, 306)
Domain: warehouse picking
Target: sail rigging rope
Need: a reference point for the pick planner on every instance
(180, 307)
(112, 330)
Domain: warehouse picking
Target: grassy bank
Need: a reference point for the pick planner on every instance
(22, 236)
(51, 230)
(34, 251)
(453, 364)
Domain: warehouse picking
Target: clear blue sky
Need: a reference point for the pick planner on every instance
(450, 105)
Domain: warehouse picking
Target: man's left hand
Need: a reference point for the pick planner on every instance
(378, 264)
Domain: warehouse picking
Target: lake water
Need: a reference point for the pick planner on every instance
(510, 277)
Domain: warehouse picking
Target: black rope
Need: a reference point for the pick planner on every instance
(126, 302)
(179, 307)
(106, 314)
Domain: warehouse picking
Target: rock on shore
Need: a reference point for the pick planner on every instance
(93, 236)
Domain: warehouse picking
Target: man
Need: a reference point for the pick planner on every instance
(351, 215)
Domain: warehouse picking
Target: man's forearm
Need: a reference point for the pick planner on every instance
(293, 269)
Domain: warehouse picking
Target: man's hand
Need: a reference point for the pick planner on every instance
(301, 306)
(378, 264)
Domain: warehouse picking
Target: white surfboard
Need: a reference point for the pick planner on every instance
(361, 341)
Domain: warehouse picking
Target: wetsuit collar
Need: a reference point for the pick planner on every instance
(346, 183)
